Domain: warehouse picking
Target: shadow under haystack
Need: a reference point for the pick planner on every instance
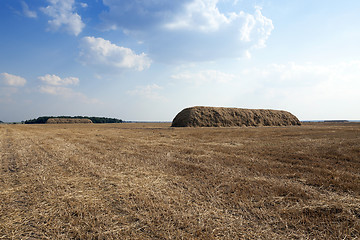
(232, 117)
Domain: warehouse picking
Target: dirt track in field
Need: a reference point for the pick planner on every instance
(150, 181)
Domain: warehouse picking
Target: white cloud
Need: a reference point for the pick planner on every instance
(148, 91)
(55, 90)
(199, 15)
(189, 30)
(256, 28)
(27, 12)
(204, 15)
(84, 5)
(102, 53)
(54, 85)
(57, 81)
(67, 93)
(12, 80)
(204, 77)
(63, 16)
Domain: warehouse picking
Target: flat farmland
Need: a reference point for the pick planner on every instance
(151, 181)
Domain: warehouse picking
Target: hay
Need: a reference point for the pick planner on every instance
(67, 120)
(232, 117)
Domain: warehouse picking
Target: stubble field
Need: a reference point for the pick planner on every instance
(150, 181)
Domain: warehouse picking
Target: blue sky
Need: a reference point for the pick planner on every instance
(147, 60)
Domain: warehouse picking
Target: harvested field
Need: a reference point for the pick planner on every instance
(232, 117)
(67, 120)
(150, 181)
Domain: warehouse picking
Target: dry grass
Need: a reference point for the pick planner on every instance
(150, 181)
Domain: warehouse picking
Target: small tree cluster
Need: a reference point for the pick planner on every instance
(42, 120)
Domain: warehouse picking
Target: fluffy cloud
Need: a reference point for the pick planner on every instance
(57, 81)
(256, 28)
(53, 90)
(9, 85)
(148, 91)
(203, 77)
(199, 15)
(12, 80)
(54, 85)
(27, 12)
(67, 93)
(194, 30)
(102, 53)
(63, 16)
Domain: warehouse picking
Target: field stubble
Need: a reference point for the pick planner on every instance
(150, 181)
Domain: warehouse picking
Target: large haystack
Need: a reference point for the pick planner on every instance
(232, 117)
(68, 120)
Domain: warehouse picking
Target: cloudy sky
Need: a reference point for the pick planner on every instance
(147, 60)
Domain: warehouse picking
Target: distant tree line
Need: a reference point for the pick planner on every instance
(336, 121)
(1, 121)
(42, 120)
